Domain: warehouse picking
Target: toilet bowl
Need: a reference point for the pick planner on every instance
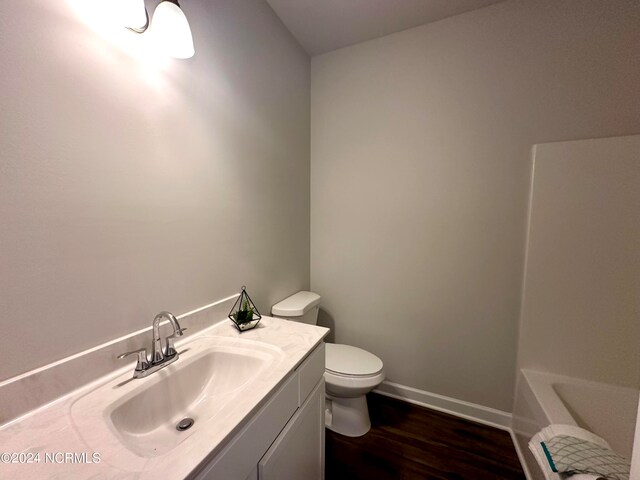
(350, 372)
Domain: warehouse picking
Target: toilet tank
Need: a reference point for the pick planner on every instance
(300, 307)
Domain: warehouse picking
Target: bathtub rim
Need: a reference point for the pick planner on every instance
(541, 386)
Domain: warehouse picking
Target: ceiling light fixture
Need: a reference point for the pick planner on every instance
(170, 28)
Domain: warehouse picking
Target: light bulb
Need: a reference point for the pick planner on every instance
(171, 30)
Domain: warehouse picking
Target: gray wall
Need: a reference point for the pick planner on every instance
(129, 184)
(420, 172)
(581, 303)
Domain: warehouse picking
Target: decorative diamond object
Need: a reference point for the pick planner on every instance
(244, 314)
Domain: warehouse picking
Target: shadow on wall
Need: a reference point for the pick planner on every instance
(325, 319)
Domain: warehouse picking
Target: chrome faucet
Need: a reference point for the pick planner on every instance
(159, 359)
(156, 348)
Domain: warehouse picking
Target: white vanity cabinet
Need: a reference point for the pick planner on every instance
(298, 452)
(285, 438)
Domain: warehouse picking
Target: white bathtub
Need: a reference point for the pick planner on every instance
(609, 411)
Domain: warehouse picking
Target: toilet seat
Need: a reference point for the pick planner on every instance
(349, 361)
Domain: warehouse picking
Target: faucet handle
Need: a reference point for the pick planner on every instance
(170, 349)
(143, 362)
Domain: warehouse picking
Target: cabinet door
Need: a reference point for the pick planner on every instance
(298, 452)
(243, 452)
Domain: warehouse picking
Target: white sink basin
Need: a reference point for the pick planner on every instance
(207, 380)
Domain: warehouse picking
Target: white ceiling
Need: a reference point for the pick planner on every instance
(324, 25)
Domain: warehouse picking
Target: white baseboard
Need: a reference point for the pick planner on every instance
(459, 408)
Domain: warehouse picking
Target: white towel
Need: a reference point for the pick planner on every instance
(551, 431)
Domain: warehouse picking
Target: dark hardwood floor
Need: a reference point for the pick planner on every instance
(408, 442)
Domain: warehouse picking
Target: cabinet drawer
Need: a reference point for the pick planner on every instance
(310, 373)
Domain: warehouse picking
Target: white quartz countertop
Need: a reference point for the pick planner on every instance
(47, 434)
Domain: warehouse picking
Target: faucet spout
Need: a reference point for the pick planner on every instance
(159, 359)
(156, 349)
(177, 330)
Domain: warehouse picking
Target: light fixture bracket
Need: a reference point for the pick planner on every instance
(144, 27)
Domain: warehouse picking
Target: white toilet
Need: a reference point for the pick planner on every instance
(350, 372)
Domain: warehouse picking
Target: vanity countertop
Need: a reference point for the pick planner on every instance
(51, 432)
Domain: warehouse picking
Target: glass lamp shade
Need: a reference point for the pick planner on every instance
(134, 15)
(171, 30)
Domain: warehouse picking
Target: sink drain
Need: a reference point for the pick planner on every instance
(184, 424)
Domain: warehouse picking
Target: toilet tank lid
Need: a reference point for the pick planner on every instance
(296, 305)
